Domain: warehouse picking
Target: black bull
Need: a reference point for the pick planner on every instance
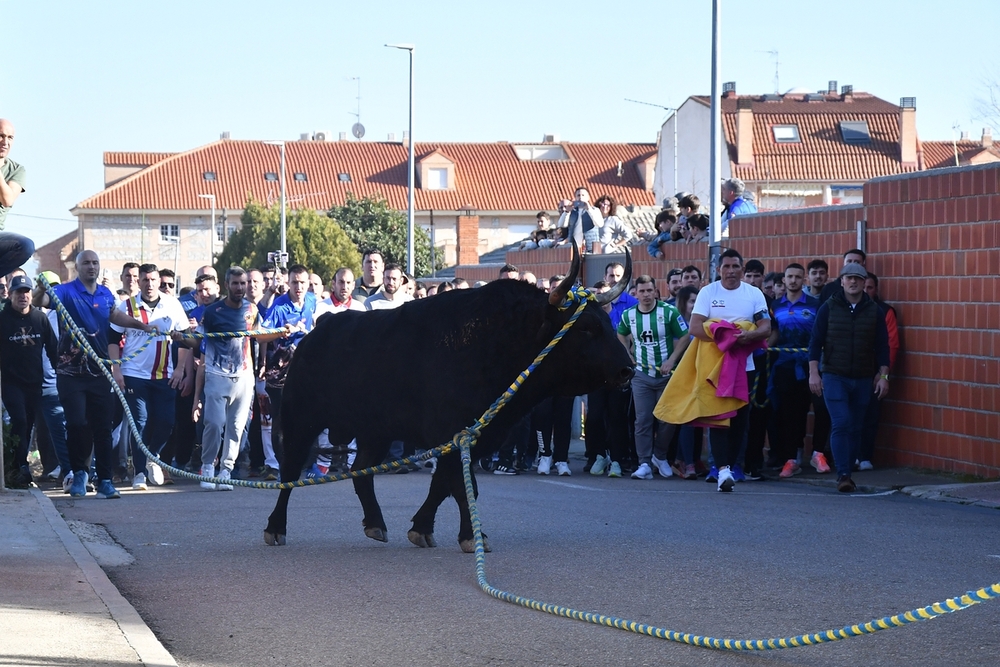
(423, 372)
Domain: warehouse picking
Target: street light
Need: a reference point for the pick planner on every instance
(283, 258)
(674, 112)
(409, 174)
(211, 233)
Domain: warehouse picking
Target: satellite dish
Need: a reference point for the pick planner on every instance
(358, 130)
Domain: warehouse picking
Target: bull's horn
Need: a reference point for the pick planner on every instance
(616, 291)
(558, 295)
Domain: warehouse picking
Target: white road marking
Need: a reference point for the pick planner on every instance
(572, 486)
(872, 495)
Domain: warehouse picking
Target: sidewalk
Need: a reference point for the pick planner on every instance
(57, 607)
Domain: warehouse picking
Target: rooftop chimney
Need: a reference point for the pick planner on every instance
(908, 131)
(987, 137)
(305, 136)
(224, 135)
(964, 136)
(550, 138)
(391, 137)
(744, 132)
(847, 93)
(831, 87)
(343, 136)
(406, 139)
(729, 89)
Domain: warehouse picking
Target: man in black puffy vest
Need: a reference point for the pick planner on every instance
(849, 339)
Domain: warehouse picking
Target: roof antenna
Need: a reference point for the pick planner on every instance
(774, 54)
(358, 130)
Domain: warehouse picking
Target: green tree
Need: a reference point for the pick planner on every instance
(312, 239)
(371, 223)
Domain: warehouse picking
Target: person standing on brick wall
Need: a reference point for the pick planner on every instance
(849, 339)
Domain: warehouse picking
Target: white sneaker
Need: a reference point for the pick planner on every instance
(866, 465)
(224, 474)
(154, 473)
(562, 468)
(207, 470)
(67, 481)
(54, 475)
(662, 467)
(726, 480)
(644, 472)
(544, 465)
(139, 482)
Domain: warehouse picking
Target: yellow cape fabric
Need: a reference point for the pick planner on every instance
(690, 394)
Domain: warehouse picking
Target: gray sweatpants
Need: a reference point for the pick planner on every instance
(226, 402)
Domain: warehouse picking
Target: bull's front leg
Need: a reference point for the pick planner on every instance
(422, 532)
(365, 488)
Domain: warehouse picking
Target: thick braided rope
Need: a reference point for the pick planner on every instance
(875, 625)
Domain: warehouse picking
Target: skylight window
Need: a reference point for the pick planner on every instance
(855, 131)
(786, 134)
(543, 152)
(344, 178)
(208, 175)
(300, 177)
(270, 176)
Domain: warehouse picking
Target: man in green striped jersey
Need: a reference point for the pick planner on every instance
(655, 335)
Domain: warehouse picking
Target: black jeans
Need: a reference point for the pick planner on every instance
(726, 443)
(791, 399)
(89, 406)
(15, 250)
(552, 422)
(21, 401)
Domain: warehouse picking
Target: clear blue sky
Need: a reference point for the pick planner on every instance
(85, 77)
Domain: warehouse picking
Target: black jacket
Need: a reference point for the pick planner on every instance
(22, 340)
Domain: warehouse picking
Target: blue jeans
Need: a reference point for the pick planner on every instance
(151, 403)
(51, 412)
(846, 400)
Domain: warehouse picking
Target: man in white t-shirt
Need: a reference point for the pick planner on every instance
(392, 295)
(145, 375)
(340, 298)
(732, 300)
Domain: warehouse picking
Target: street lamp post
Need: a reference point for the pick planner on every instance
(283, 258)
(715, 169)
(211, 233)
(409, 170)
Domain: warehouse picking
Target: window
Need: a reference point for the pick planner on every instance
(208, 175)
(344, 178)
(855, 131)
(786, 134)
(437, 179)
(270, 176)
(542, 152)
(170, 233)
(300, 177)
(229, 232)
(220, 233)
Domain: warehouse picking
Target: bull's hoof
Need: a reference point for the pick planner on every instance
(376, 534)
(274, 539)
(469, 546)
(421, 540)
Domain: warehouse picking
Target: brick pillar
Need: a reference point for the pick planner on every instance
(467, 244)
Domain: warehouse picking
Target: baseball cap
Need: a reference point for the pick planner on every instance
(853, 270)
(19, 282)
(51, 276)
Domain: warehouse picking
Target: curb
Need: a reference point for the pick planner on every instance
(940, 493)
(137, 634)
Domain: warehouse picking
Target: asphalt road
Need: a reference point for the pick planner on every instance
(773, 559)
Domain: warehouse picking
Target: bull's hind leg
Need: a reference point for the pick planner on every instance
(456, 481)
(365, 488)
(297, 440)
(422, 532)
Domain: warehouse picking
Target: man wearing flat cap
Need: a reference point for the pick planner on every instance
(849, 340)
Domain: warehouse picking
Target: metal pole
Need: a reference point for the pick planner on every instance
(211, 257)
(409, 182)
(433, 263)
(284, 248)
(715, 189)
(675, 152)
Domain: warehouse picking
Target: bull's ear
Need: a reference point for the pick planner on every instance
(558, 295)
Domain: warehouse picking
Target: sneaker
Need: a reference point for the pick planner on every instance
(107, 490)
(544, 465)
(504, 470)
(139, 482)
(316, 471)
(662, 467)
(207, 470)
(754, 476)
(67, 482)
(866, 465)
(78, 486)
(738, 474)
(54, 473)
(614, 470)
(643, 472)
(600, 466)
(846, 485)
(167, 479)
(224, 474)
(120, 475)
(726, 480)
(486, 463)
(818, 461)
(154, 474)
(713, 475)
(562, 468)
(690, 472)
(590, 464)
(790, 468)
(269, 474)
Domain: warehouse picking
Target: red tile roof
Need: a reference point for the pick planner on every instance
(133, 159)
(489, 176)
(937, 154)
(822, 155)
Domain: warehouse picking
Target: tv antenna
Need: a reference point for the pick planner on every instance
(358, 130)
(774, 54)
